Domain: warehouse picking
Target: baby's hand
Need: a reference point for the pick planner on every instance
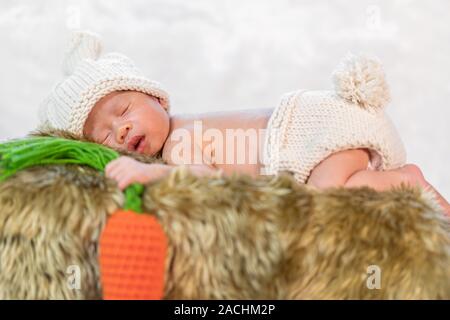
(126, 170)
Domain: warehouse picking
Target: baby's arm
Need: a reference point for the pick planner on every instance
(126, 170)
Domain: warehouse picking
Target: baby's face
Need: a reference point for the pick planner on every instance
(128, 120)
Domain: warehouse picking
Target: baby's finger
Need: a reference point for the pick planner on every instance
(119, 161)
(121, 179)
(119, 166)
(132, 177)
(112, 172)
(116, 171)
(125, 181)
(111, 165)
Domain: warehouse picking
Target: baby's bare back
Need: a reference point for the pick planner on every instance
(231, 141)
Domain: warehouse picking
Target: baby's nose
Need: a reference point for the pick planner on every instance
(123, 132)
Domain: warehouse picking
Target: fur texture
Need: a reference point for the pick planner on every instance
(230, 237)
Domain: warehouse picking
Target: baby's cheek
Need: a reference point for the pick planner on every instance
(115, 146)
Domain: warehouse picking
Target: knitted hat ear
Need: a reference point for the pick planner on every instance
(118, 60)
(83, 45)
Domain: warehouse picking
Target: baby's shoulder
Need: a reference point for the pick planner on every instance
(185, 139)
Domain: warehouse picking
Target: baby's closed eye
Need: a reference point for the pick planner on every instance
(126, 109)
(106, 138)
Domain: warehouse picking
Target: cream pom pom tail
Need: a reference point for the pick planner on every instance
(83, 45)
(361, 80)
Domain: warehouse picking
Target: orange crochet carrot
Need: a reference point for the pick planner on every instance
(132, 255)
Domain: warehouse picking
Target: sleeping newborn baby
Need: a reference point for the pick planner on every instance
(323, 138)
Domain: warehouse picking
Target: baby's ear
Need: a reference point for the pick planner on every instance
(85, 133)
(87, 137)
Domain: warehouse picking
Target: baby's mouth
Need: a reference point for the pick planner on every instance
(137, 143)
(141, 145)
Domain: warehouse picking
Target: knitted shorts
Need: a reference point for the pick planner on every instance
(308, 126)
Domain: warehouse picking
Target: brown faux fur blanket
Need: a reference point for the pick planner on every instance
(229, 237)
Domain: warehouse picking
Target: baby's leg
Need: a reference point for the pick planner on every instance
(382, 180)
(348, 168)
(336, 169)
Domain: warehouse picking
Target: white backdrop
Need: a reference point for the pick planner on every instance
(215, 55)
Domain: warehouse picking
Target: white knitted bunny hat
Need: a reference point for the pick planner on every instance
(90, 78)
